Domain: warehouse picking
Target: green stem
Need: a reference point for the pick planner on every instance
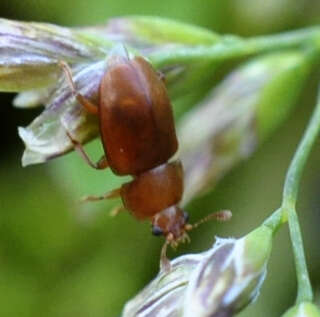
(290, 193)
(296, 167)
(234, 47)
(288, 209)
(275, 220)
(304, 293)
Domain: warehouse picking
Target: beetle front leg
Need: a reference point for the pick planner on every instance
(101, 164)
(165, 264)
(161, 76)
(85, 102)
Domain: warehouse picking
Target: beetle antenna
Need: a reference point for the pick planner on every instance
(222, 215)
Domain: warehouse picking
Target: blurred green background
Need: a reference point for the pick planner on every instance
(60, 259)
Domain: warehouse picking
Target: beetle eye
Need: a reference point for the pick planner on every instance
(186, 216)
(157, 231)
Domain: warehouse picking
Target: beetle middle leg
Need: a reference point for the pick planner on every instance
(85, 102)
(109, 195)
(116, 210)
(101, 164)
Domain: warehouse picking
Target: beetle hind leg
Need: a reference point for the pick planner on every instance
(86, 103)
(101, 164)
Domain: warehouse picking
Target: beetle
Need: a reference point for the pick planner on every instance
(138, 135)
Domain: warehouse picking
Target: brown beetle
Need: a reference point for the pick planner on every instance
(138, 135)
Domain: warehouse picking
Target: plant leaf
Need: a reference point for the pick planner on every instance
(146, 33)
(32, 98)
(29, 53)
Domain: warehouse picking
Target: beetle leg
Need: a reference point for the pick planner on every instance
(165, 264)
(116, 210)
(162, 76)
(109, 195)
(101, 164)
(85, 102)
